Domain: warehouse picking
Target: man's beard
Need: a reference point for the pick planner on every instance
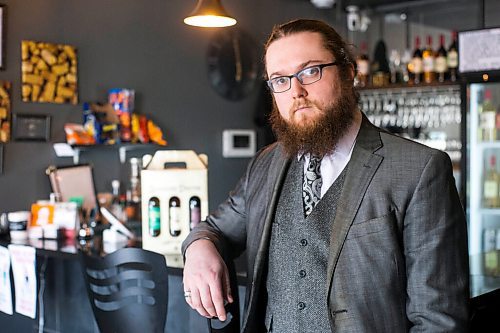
(322, 135)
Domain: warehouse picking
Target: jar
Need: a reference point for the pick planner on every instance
(18, 224)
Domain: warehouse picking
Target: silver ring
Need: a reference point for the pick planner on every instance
(187, 293)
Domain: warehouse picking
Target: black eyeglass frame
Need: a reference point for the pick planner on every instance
(296, 75)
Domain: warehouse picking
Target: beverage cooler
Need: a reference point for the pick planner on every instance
(479, 66)
(483, 184)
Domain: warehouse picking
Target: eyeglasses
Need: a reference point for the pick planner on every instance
(306, 76)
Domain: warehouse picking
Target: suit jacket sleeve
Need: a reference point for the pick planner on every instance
(435, 245)
(226, 227)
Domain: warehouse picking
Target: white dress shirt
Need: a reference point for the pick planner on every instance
(333, 164)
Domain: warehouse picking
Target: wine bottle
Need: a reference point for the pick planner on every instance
(490, 189)
(363, 64)
(174, 216)
(428, 62)
(194, 212)
(415, 65)
(488, 117)
(154, 217)
(441, 61)
(452, 58)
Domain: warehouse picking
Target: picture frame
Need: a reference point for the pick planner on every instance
(3, 25)
(1, 159)
(31, 127)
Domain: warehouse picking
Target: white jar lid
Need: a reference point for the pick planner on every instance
(19, 216)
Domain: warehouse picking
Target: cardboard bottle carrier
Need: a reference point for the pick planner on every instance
(172, 173)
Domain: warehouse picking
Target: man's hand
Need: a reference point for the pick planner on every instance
(206, 280)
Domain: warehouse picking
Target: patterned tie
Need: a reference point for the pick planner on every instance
(311, 187)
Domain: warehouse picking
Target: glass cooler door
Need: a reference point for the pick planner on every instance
(483, 185)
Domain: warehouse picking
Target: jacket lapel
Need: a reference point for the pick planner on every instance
(361, 168)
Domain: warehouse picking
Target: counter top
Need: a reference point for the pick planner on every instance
(480, 282)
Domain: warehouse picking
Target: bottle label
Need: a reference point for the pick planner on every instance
(428, 64)
(175, 219)
(417, 65)
(452, 59)
(490, 189)
(363, 67)
(154, 219)
(440, 65)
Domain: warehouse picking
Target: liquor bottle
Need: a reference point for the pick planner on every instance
(154, 217)
(134, 192)
(116, 208)
(488, 118)
(363, 64)
(490, 189)
(194, 212)
(441, 64)
(452, 58)
(491, 265)
(174, 216)
(415, 65)
(497, 123)
(428, 62)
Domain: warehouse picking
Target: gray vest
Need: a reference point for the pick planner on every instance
(298, 257)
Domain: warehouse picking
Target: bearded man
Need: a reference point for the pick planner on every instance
(347, 228)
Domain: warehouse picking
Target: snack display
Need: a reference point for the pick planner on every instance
(122, 101)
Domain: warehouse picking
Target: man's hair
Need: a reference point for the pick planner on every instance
(332, 41)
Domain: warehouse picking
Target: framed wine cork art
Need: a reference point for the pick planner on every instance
(49, 73)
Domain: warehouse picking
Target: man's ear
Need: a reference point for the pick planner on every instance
(351, 72)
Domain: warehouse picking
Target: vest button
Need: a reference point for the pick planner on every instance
(301, 305)
(302, 273)
(303, 242)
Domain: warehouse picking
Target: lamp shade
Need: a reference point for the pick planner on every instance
(209, 13)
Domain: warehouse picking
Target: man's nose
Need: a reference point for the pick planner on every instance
(297, 88)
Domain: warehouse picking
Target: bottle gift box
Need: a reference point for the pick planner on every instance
(174, 196)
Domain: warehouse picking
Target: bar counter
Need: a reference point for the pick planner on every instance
(65, 304)
(66, 307)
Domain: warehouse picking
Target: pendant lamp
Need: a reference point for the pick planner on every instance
(209, 13)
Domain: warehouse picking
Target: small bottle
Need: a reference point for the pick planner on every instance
(428, 62)
(363, 64)
(116, 208)
(154, 217)
(488, 117)
(194, 212)
(441, 61)
(452, 58)
(415, 65)
(490, 185)
(174, 214)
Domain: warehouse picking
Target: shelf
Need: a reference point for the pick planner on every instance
(66, 150)
(489, 211)
(491, 144)
(419, 87)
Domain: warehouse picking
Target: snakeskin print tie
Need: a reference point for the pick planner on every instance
(311, 187)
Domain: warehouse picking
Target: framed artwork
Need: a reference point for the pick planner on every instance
(1, 158)
(49, 72)
(3, 14)
(5, 110)
(31, 127)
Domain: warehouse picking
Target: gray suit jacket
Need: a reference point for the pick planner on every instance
(398, 257)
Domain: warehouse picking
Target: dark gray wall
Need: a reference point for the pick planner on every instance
(143, 45)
